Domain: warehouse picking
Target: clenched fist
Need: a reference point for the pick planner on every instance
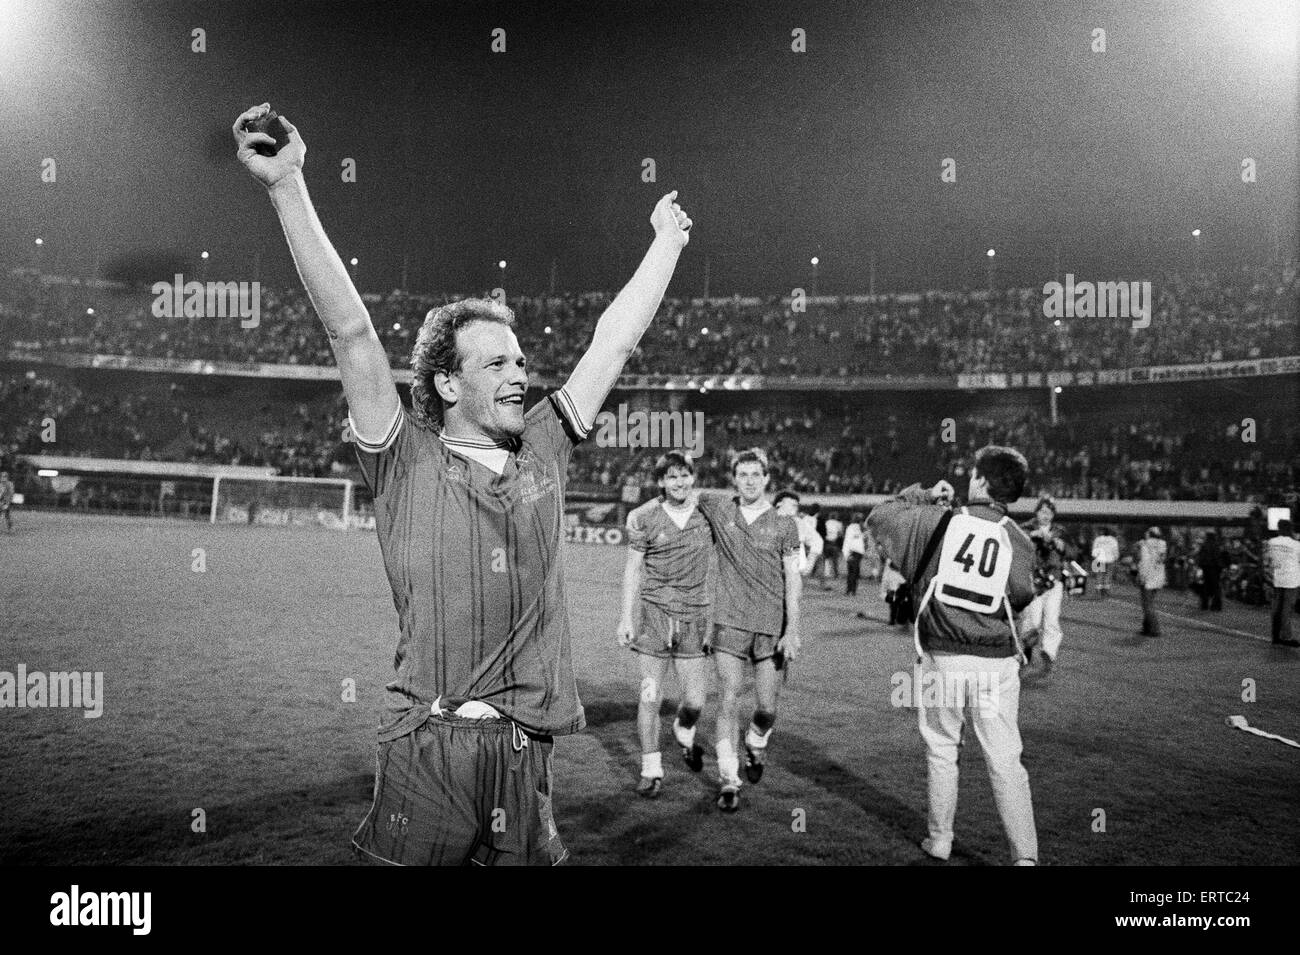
(670, 221)
(942, 493)
(268, 170)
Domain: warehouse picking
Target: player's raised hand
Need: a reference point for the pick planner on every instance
(268, 170)
(670, 221)
(942, 493)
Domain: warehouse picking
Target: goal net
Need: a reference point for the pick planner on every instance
(283, 501)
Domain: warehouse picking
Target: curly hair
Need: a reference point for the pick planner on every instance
(436, 351)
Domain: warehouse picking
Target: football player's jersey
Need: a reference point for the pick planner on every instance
(751, 565)
(473, 559)
(676, 567)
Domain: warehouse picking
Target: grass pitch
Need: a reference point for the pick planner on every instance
(223, 693)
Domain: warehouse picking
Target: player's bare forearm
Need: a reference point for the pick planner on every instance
(631, 584)
(320, 267)
(621, 326)
(793, 592)
(363, 363)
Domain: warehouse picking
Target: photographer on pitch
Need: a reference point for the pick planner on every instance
(974, 567)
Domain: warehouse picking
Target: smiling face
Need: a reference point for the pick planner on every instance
(751, 481)
(485, 396)
(1044, 515)
(677, 484)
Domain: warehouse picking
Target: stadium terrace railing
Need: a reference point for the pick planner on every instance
(1248, 368)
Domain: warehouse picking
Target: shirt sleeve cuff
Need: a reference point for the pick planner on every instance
(390, 435)
(570, 411)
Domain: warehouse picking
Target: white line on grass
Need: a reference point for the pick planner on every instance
(1203, 624)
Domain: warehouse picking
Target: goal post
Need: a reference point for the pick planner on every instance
(283, 501)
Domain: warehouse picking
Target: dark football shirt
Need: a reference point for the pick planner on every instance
(751, 566)
(676, 568)
(474, 562)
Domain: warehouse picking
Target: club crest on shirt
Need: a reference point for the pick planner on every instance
(531, 487)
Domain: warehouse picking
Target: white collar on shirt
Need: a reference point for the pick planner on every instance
(493, 455)
(678, 515)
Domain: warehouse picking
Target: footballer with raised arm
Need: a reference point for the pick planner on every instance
(667, 570)
(469, 508)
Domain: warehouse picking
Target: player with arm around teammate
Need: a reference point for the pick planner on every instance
(669, 547)
(977, 574)
(756, 614)
(469, 511)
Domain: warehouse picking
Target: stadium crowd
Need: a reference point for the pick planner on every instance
(810, 449)
(1248, 313)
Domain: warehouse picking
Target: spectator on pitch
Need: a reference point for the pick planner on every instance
(833, 545)
(7, 500)
(893, 593)
(855, 548)
(975, 567)
(818, 571)
(1151, 577)
(1105, 552)
(1211, 561)
(1042, 618)
(1282, 565)
(810, 542)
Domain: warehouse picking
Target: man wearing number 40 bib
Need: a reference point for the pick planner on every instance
(972, 570)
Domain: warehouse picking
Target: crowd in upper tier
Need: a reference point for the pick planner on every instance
(1248, 313)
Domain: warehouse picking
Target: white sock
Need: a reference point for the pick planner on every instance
(756, 740)
(684, 736)
(652, 766)
(728, 762)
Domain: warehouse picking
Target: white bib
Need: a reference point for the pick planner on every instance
(974, 564)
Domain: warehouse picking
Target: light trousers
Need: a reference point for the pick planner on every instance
(991, 705)
(1044, 614)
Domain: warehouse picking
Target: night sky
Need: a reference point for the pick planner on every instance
(466, 157)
